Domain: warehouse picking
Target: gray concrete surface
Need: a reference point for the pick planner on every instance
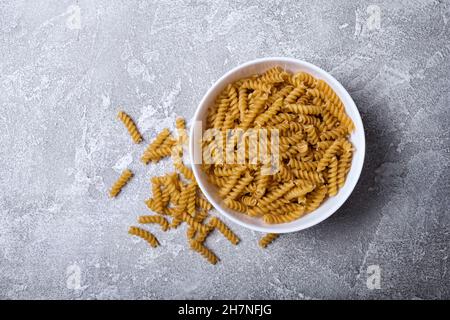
(65, 68)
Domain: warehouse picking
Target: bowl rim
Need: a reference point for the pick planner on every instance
(342, 197)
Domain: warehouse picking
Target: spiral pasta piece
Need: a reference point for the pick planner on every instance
(311, 134)
(301, 165)
(303, 78)
(152, 153)
(256, 85)
(268, 239)
(192, 199)
(277, 193)
(185, 171)
(299, 191)
(315, 198)
(131, 126)
(240, 186)
(328, 155)
(234, 111)
(222, 106)
(343, 168)
(264, 117)
(235, 205)
(120, 183)
(155, 219)
(312, 176)
(303, 109)
(223, 228)
(254, 110)
(144, 234)
(285, 218)
(332, 177)
(204, 251)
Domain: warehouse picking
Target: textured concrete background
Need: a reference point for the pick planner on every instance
(66, 66)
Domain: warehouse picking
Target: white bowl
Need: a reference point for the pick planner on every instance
(357, 138)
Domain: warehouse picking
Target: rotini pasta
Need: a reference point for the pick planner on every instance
(131, 127)
(222, 227)
(204, 251)
(120, 183)
(268, 239)
(144, 234)
(155, 219)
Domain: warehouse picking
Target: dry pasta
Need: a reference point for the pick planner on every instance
(268, 239)
(144, 234)
(155, 219)
(309, 122)
(120, 183)
(222, 227)
(131, 127)
(204, 251)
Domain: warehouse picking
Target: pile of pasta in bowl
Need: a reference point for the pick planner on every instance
(305, 118)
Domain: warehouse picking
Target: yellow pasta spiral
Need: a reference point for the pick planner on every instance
(268, 239)
(343, 168)
(156, 154)
(312, 176)
(254, 110)
(311, 134)
(303, 78)
(242, 103)
(315, 198)
(224, 171)
(328, 155)
(324, 145)
(222, 107)
(249, 201)
(203, 203)
(301, 165)
(339, 113)
(192, 197)
(235, 205)
(120, 183)
(176, 221)
(277, 193)
(298, 192)
(283, 174)
(155, 219)
(190, 233)
(264, 117)
(294, 95)
(193, 223)
(332, 177)
(131, 126)
(303, 109)
(205, 252)
(234, 112)
(285, 218)
(239, 188)
(329, 120)
(281, 117)
(185, 171)
(256, 85)
(306, 119)
(152, 150)
(144, 234)
(231, 182)
(223, 228)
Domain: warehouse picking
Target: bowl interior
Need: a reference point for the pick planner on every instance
(331, 204)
